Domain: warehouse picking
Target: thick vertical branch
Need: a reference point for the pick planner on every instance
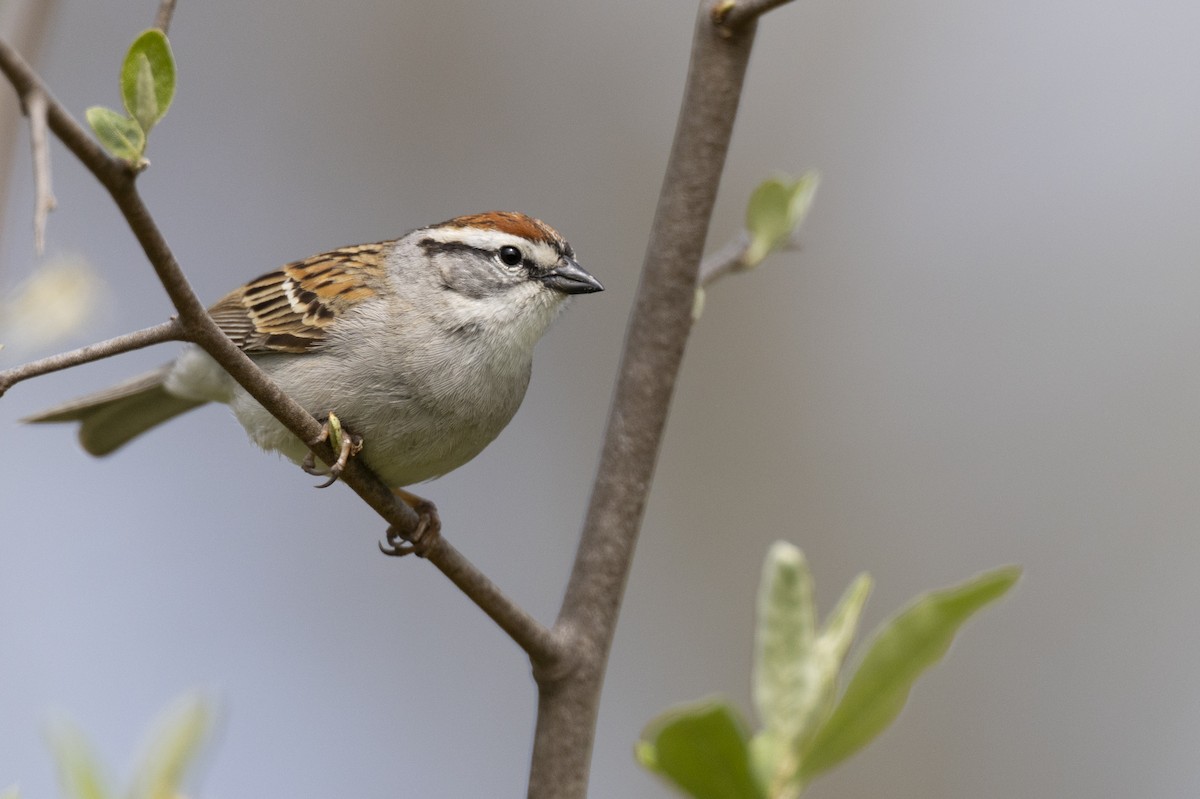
(658, 331)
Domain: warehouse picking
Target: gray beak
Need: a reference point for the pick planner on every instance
(571, 278)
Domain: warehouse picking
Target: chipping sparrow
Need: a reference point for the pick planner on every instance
(422, 346)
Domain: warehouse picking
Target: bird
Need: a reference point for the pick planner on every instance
(421, 347)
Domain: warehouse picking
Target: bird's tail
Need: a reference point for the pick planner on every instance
(108, 419)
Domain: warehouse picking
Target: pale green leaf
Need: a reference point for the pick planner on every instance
(829, 652)
(79, 774)
(839, 628)
(702, 749)
(11, 792)
(148, 78)
(774, 764)
(899, 652)
(796, 669)
(831, 647)
(120, 135)
(173, 746)
(774, 212)
(787, 621)
(144, 107)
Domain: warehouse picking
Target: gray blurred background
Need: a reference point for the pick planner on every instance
(985, 353)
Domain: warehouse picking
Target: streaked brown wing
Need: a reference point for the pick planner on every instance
(291, 309)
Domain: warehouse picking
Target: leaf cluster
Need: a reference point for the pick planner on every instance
(172, 747)
(705, 748)
(147, 88)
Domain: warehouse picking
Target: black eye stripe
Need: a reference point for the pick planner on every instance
(432, 246)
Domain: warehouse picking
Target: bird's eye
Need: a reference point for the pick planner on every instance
(510, 255)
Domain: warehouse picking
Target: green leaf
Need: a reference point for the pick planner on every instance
(144, 107)
(900, 651)
(148, 78)
(702, 749)
(174, 744)
(79, 774)
(796, 668)
(11, 792)
(776, 209)
(773, 763)
(120, 135)
(787, 629)
(841, 625)
(831, 647)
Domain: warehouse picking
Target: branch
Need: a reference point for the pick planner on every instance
(81, 145)
(730, 259)
(167, 331)
(657, 334)
(732, 15)
(162, 20)
(44, 202)
(545, 647)
(24, 22)
(725, 261)
(198, 327)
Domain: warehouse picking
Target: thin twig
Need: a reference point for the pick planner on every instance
(82, 146)
(167, 331)
(731, 257)
(724, 261)
(25, 23)
(119, 179)
(44, 203)
(162, 20)
(731, 15)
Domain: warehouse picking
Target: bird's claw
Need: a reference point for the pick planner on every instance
(429, 529)
(351, 445)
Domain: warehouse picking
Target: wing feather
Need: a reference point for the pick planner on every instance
(292, 308)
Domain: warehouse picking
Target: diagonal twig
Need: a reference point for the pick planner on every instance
(26, 23)
(167, 331)
(44, 202)
(730, 15)
(725, 261)
(730, 259)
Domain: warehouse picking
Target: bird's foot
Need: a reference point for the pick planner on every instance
(429, 529)
(345, 443)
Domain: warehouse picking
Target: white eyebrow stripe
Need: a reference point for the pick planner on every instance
(492, 240)
(475, 237)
